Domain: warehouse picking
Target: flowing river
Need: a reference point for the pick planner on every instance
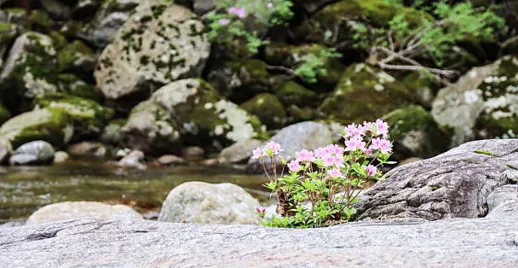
(25, 189)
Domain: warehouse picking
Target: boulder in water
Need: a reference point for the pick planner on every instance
(200, 202)
(33, 153)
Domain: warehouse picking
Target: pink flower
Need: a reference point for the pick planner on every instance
(371, 170)
(257, 153)
(336, 161)
(381, 144)
(382, 128)
(304, 156)
(334, 173)
(223, 21)
(355, 143)
(320, 152)
(354, 130)
(294, 166)
(260, 210)
(239, 11)
(334, 149)
(272, 148)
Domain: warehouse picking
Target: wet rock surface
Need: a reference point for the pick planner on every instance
(408, 243)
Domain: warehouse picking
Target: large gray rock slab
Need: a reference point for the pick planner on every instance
(81, 209)
(200, 202)
(501, 195)
(454, 184)
(97, 243)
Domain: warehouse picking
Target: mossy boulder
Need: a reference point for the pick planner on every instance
(240, 80)
(88, 116)
(53, 125)
(415, 133)
(364, 93)
(4, 113)
(161, 43)
(29, 71)
(206, 117)
(7, 34)
(73, 85)
(40, 20)
(267, 108)
(422, 85)
(482, 104)
(291, 56)
(76, 57)
(293, 93)
(299, 114)
(112, 132)
(150, 129)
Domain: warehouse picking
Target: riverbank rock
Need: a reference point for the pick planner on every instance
(305, 135)
(76, 210)
(206, 117)
(61, 157)
(454, 184)
(150, 129)
(134, 159)
(200, 202)
(482, 104)
(159, 44)
(87, 149)
(364, 93)
(415, 133)
(267, 108)
(33, 153)
(475, 243)
(29, 71)
(50, 124)
(238, 152)
(5, 150)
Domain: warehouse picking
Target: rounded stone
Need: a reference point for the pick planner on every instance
(200, 202)
(83, 209)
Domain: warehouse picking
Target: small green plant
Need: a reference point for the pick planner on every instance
(313, 64)
(322, 185)
(232, 19)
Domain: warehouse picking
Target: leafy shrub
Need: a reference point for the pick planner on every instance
(322, 185)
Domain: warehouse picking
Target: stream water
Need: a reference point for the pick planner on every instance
(25, 189)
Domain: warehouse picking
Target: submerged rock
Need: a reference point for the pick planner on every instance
(159, 44)
(482, 104)
(33, 153)
(124, 243)
(49, 124)
(77, 210)
(454, 184)
(200, 202)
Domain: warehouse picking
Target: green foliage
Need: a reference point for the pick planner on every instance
(313, 64)
(226, 26)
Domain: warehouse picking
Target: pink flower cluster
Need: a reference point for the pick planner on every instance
(354, 136)
(270, 149)
(240, 12)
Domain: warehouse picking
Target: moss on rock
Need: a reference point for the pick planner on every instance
(415, 133)
(40, 20)
(4, 113)
(71, 84)
(293, 93)
(267, 108)
(206, 117)
(364, 93)
(88, 116)
(76, 55)
(53, 125)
